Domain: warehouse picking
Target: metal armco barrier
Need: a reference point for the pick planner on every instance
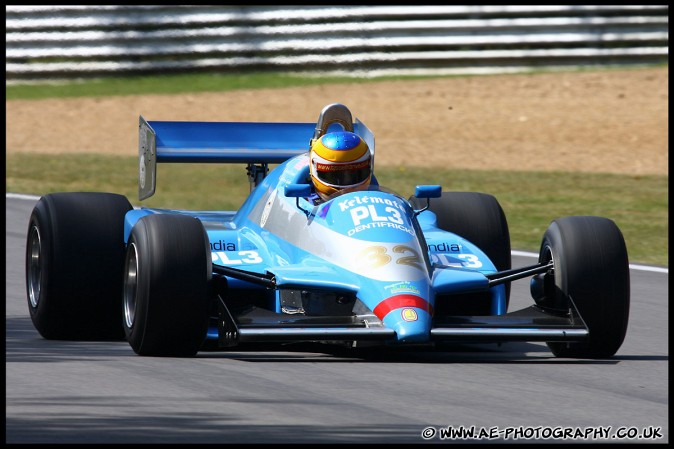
(52, 42)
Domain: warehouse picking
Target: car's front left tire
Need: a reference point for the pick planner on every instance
(166, 286)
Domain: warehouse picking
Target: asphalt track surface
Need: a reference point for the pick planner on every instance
(101, 392)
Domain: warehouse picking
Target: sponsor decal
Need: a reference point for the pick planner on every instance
(378, 225)
(372, 212)
(400, 301)
(444, 247)
(235, 257)
(302, 162)
(457, 260)
(288, 176)
(360, 213)
(342, 167)
(409, 314)
(402, 287)
(221, 245)
(367, 200)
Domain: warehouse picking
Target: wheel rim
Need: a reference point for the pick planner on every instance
(130, 285)
(34, 267)
(547, 257)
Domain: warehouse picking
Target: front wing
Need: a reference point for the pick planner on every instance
(533, 323)
(529, 324)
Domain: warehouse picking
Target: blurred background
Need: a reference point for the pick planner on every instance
(66, 42)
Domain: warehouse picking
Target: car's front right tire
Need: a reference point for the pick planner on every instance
(591, 272)
(74, 260)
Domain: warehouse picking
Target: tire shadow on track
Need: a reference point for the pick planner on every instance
(514, 352)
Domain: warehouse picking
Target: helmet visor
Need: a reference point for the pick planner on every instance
(342, 174)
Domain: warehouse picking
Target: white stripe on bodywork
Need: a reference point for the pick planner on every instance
(287, 222)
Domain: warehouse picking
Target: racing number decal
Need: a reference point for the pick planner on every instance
(412, 260)
(376, 256)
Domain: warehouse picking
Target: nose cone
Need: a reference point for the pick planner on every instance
(408, 315)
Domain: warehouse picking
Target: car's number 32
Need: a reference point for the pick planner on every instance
(378, 256)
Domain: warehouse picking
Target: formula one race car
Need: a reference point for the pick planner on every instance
(362, 267)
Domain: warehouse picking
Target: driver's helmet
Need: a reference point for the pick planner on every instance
(340, 161)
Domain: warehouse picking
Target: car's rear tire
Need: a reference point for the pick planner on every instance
(166, 286)
(478, 218)
(591, 268)
(74, 263)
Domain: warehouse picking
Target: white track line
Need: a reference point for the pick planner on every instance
(632, 266)
(514, 252)
(19, 196)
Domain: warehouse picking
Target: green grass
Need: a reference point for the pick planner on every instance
(638, 204)
(209, 82)
(171, 84)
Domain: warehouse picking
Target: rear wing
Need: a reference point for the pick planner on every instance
(232, 142)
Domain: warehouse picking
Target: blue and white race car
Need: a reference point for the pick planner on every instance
(364, 266)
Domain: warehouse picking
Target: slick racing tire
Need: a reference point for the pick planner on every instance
(477, 217)
(167, 286)
(591, 271)
(74, 263)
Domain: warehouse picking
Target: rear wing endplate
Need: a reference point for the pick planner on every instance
(223, 142)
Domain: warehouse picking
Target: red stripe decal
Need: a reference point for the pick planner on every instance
(398, 301)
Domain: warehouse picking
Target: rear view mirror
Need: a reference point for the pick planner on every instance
(298, 190)
(428, 192)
